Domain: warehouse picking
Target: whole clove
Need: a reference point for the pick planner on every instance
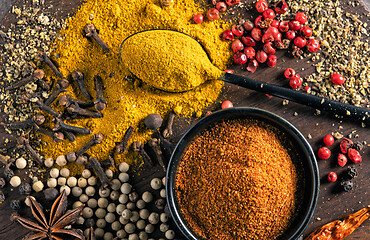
(167, 132)
(56, 136)
(108, 163)
(75, 109)
(96, 139)
(100, 103)
(121, 147)
(78, 77)
(90, 31)
(59, 88)
(38, 74)
(26, 144)
(67, 100)
(48, 109)
(139, 147)
(154, 144)
(34, 121)
(43, 57)
(70, 136)
(61, 126)
(94, 164)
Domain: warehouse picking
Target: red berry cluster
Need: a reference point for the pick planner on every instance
(295, 81)
(257, 41)
(214, 13)
(346, 147)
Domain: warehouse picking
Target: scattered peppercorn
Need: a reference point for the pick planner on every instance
(347, 185)
(342, 160)
(324, 153)
(328, 140)
(25, 188)
(354, 155)
(332, 177)
(351, 173)
(227, 104)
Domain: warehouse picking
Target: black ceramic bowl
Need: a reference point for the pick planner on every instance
(311, 174)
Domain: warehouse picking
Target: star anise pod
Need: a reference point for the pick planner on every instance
(54, 228)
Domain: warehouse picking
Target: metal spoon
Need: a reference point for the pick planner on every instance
(320, 103)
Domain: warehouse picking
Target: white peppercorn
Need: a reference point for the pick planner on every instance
(80, 220)
(121, 234)
(162, 193)
(15, 181)
(163, 227)
(54, 172)
(87, 232)
(116, 226)
(81, 182)
(64, 172)
(153, 218)
(170, 234)
(92, 181)
(76, 191)
(144, 213)
(104, 193)
(163, 217)
(84, 198)
(72, 181)
(90, 191)
(143, 235)
(51, 183)
(110, 217)
(49, 162)
(66, 189)
(76, 204)
(108, 236)
(164, 181)
(123, 177)
(156, 183)
(133, 196)
(135, 216)
(115, 184)
(21, 163)
(123, 167)
(130, 228)
(99, 232)
(37, 186)
(114, 195)
(81, 160)
(86, 173)
(149, 228)
(147, 197)
(126, 188)
(111, 207)
(62, 181)
(126, 214)
(61, 160)
(123, 198)
(28, 202)
(87, 212)
(100, 213)
(131, 205)
(140, 204)
(101, 223)
(140, 224)
(103, 203)
(71, 156)
(133, 236)
(109, 173)
(92, 203)
(123, 221)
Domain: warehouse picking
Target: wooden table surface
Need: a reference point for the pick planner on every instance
(332, 204)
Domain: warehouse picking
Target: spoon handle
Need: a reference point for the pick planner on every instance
(323, 104)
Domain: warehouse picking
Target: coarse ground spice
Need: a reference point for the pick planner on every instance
(237, 180)
(345, 50)
(129, 101)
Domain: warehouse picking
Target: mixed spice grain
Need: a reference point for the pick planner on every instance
(237, 180)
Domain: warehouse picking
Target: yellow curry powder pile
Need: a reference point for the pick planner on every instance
(129, 101)
(236, 180)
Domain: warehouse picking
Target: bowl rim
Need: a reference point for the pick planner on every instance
(242, 112)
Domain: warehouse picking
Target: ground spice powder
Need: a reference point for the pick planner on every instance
(129, 101)
(237, 181)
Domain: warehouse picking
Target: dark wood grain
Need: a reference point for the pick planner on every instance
(332, 204)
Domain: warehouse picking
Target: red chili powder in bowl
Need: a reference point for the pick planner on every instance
(237, 180)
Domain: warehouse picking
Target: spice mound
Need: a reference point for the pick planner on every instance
(237, 180)
(179, 63)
